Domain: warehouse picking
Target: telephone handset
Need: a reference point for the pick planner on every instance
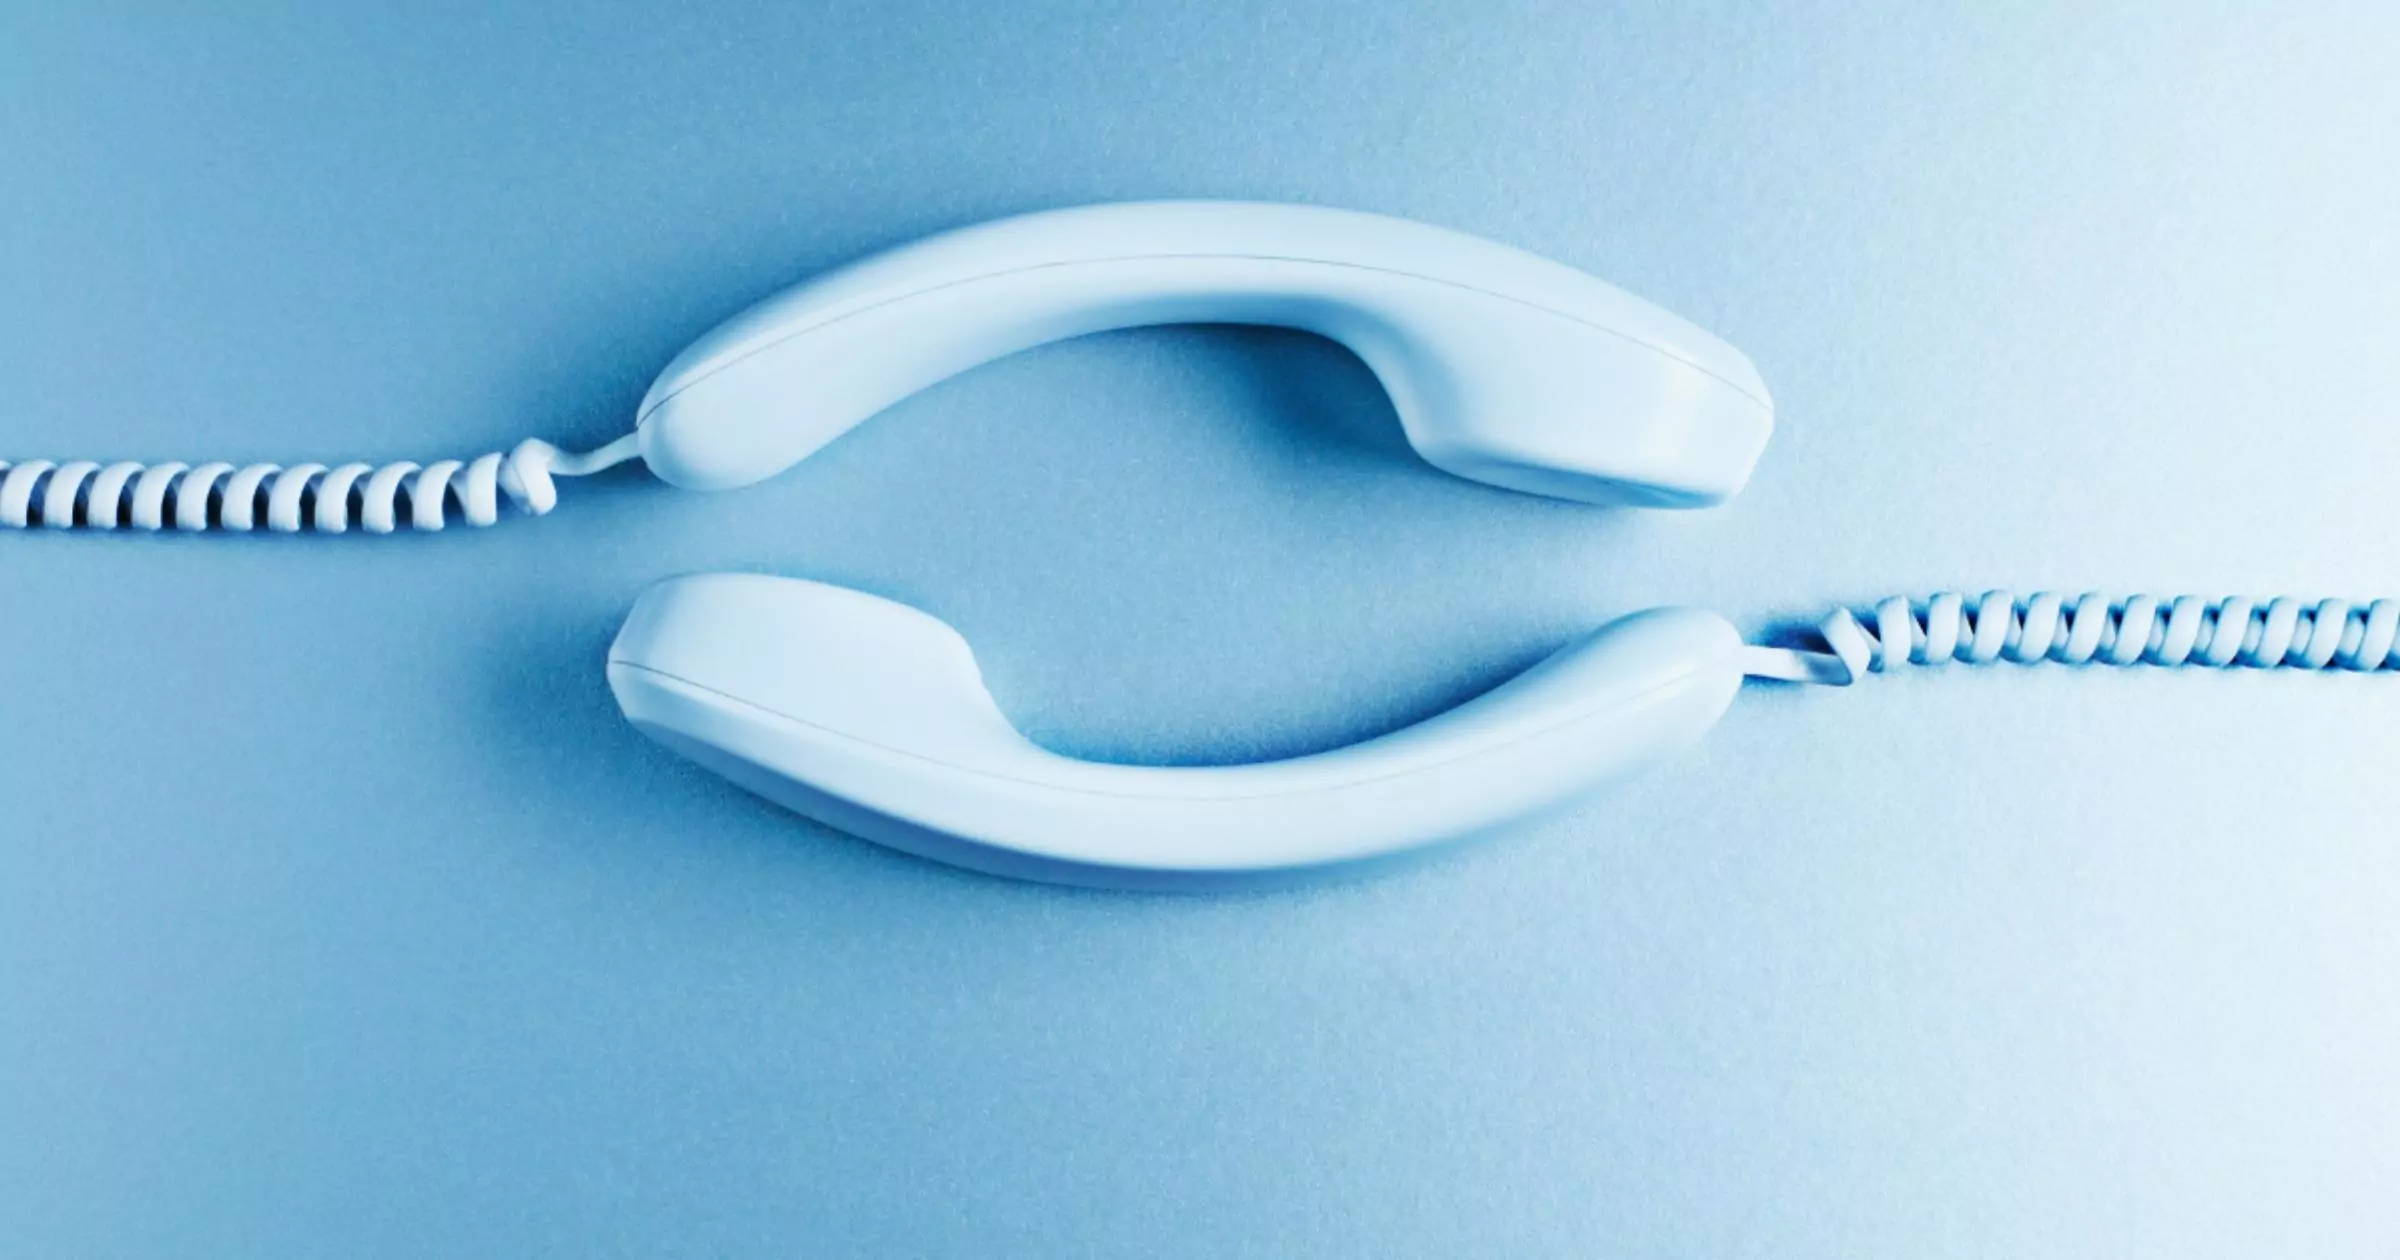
(871, 716)
(1504, 368)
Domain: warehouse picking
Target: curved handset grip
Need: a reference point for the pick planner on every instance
(871, 716)
(1504, 367)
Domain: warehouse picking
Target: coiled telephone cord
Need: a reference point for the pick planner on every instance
(327, 500)
(2177, 632)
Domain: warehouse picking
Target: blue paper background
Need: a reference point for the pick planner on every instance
(340, 914)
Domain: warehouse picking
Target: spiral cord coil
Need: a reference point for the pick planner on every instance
(2189, 630)
(326, 500)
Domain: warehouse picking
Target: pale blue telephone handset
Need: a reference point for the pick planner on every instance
(1504, 368)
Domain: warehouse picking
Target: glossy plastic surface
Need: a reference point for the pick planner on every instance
(872, 716)
(1504, 367)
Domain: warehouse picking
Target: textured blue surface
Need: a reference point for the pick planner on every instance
(339, 914)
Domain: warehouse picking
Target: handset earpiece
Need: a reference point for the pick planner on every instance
(871, 716)
(1504, 367)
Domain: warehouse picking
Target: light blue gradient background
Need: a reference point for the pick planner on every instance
(340, 915)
